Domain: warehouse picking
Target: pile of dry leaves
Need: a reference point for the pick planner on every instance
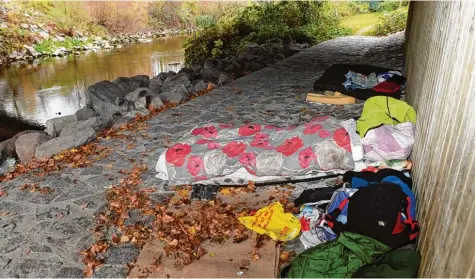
(77, 157)
(181, 224)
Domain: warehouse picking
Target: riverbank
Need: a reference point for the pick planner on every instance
(29, 32)
(58, 45)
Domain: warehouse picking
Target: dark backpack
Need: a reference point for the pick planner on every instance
(380, 211)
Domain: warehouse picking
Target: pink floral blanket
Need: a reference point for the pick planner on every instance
(217, 150)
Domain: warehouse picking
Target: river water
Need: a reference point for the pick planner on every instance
(37, 92)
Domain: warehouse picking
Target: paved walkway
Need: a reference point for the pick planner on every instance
(41, 234)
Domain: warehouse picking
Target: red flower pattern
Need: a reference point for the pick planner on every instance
(342, 138)
(194, 165)
(213, 145)
(306, 157)
(176, 154)
(247, 159)
(312, 128)
(324, 133)
(261, 141)
(234, 149)
(207, 132)
(249, 130)
(289, 146)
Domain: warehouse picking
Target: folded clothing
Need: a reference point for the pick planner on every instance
(389, 142)
(335, 75)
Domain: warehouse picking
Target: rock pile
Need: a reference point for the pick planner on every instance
(253, 58)
(108, 103)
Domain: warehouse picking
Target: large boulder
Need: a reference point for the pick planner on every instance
(199, 85)
(107, 98)
(254, 49)
(55, 125)
(7, 147)
(175, 94)
(172, 82)
(143, 79)
(196, 68)
(188, 72)
(224, 79)
(31, 51)
(154, 101)
(85, 113)
(26, 144)
(138, 93)
(211, 74)
(155, 84)
(95, 123)
(166, 75)
(56, 145)
(210, 63)
(128, 84)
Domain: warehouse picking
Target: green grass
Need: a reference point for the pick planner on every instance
(361, 23)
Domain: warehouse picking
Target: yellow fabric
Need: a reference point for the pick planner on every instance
(272, 220)
(336, 99)
(381, 110)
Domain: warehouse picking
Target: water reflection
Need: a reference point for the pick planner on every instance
(37, 92)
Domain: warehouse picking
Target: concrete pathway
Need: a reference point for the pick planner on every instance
(41, 234)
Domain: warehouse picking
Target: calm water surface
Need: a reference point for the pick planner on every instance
(37, 92)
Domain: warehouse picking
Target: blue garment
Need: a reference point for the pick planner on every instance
(359, 81)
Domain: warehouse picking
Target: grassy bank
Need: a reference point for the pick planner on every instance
(361, 24)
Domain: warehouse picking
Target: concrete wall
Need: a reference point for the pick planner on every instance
(441, 87)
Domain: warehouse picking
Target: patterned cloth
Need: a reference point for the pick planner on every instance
(360, 81)
(218, 150)
(389, 142)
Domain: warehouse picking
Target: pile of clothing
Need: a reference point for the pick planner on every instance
(357, 82)
(365, 228)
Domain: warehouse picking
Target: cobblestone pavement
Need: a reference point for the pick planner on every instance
(45, 233)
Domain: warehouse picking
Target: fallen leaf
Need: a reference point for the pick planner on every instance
(251, 185)
(225, 191)
(125, 238)
(284, 256)
(183, 193)
(88, 271)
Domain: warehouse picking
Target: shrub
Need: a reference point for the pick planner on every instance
(388, 6)
(286, 21)
(391, 23)
(206, 21)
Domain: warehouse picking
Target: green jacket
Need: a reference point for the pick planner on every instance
(381, 110)
(340, 258)
(402, 263)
